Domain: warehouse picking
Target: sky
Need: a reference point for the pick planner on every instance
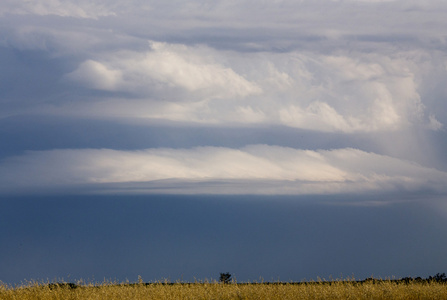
(283, 140)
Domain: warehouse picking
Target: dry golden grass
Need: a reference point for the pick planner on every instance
(333, 290)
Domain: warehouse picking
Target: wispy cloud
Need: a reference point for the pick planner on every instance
(62, 8)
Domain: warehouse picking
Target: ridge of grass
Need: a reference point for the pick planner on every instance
(370, 288)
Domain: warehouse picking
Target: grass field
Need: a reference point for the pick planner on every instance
(372, 289)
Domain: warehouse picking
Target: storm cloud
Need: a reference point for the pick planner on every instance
(177, 139)
(369, 73)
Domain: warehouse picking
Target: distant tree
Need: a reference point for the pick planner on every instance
(438, 277)
(407, 280)
(225, 277)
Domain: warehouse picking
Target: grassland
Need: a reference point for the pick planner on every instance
(372, 289)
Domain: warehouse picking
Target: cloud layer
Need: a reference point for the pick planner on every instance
(337, 75)
(257, 169)
(61, 8)
(328, 69)
(361, 92)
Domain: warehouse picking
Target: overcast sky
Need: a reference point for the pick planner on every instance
(287, 101)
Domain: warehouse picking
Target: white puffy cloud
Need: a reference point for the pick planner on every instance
(361, 92)
(309, 66)
(164, 68)
(219, 170)
(95, 75)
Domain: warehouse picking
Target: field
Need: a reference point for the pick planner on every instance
(370, 289)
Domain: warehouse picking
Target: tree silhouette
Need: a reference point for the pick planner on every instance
(225, 277)
(438, 277)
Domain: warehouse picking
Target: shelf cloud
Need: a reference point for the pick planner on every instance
(240, 171)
